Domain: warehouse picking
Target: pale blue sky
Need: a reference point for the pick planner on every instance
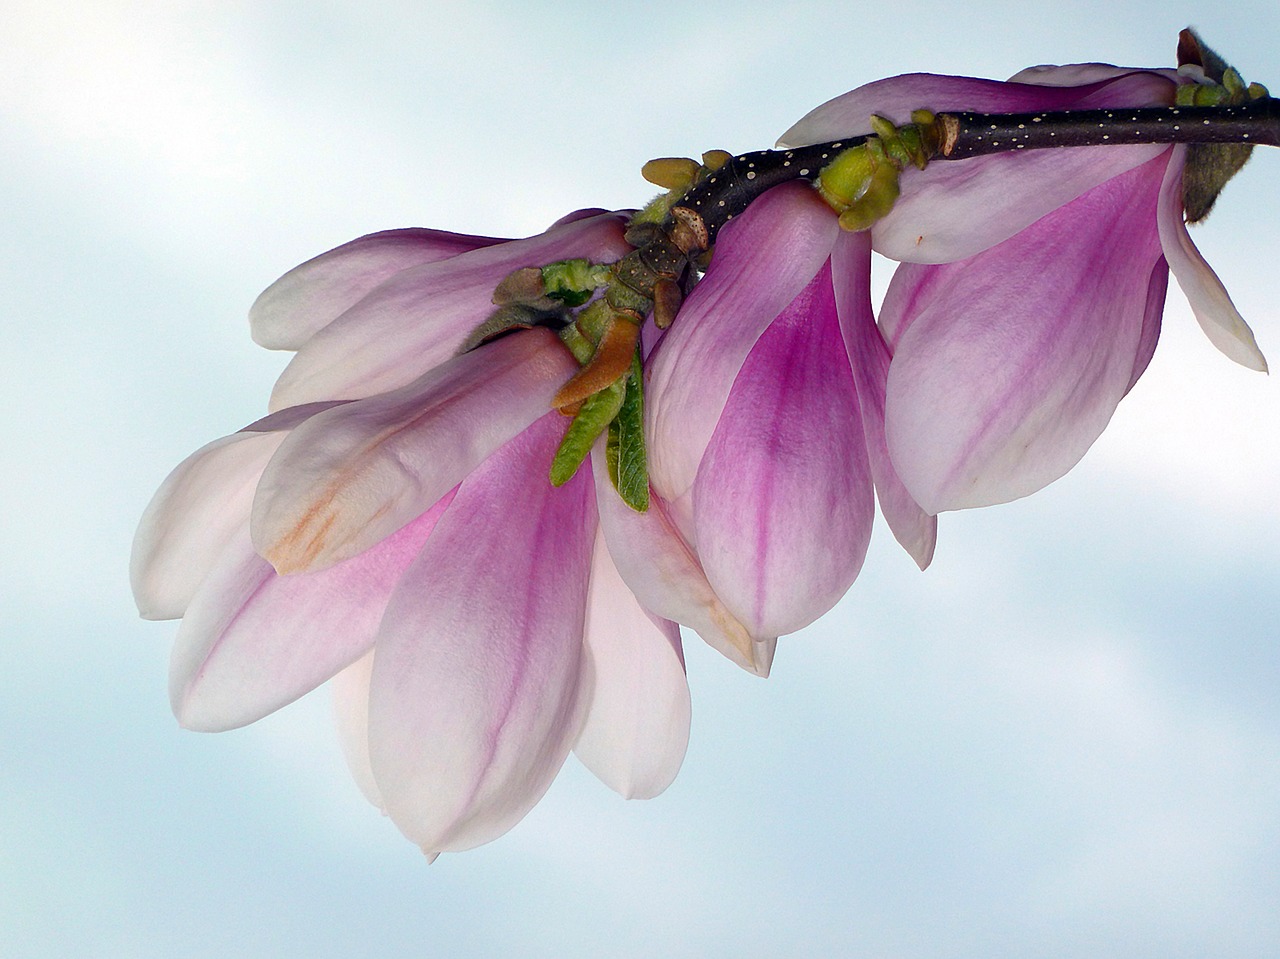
(1062, 740)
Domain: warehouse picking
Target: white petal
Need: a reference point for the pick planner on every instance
(351, 715)
(199, 508)
(1210, 302)
(637, 727)
(192, 517)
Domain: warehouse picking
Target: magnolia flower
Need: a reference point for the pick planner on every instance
(390, 524)
(765, 426)
(1030, 298)
(402, 533)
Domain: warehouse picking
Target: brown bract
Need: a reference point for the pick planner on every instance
(609, 363)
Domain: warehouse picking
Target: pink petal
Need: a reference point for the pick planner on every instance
(587, 213)
(662, 571)
(475, 698)
(763, 260)
(313, 294)
(353, 475)
(1209, 300)
(915, 529)
(253, 641)
(895, 98)
(1016, 358)
(1082, 74)
(351, 716)
(953, 210)
(419, 318)
(913, 289)
(637, 726)
(783, 499)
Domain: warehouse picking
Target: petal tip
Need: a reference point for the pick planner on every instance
(762, 651)
(153, 612)
(198, 712)
(922, 551)
(193, 720)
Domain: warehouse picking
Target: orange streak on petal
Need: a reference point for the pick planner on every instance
(290, 553)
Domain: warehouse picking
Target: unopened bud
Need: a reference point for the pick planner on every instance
(522, 286)
(875, 202)
(714, 159)
(671, 173)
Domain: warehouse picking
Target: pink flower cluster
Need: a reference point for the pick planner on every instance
(389, 525)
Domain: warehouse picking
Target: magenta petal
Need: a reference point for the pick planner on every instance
(915, 529)
(420, 317)
(475, 699)
(1016, 358)
(659, 567)
(1042, 88)
(1151, 320)
(763, 260)
(1210, 302)
(783, 499)
(253, 641)
(313, 294)
(637, 726)
(353, 475)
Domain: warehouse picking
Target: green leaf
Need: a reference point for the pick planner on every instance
(592, 419)
(625, 452)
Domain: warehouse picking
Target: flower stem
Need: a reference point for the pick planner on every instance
(966, 135)
(719, 198)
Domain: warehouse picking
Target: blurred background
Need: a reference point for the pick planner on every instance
(1063, 739)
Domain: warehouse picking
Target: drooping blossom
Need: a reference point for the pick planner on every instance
(390, 525)
(401, 533)
(1033, 283)
(766, 421)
